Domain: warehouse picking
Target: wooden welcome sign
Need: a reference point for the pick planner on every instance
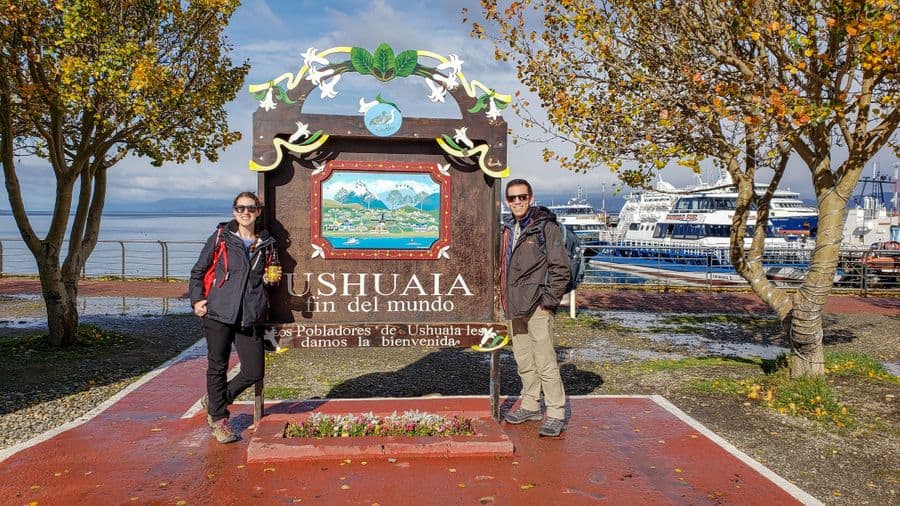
(389, 226)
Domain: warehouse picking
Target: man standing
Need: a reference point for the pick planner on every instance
(534, 275)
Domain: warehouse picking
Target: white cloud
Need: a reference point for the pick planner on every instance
(272, 35)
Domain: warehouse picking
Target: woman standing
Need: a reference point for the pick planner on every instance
(235, 304)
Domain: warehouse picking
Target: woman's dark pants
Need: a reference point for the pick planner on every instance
(219, 337)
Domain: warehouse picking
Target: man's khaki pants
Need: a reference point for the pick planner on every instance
(536, 363)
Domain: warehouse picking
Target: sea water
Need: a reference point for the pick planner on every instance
(179, 236)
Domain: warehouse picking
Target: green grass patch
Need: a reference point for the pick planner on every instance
(278, 392)
(851, 363)
(696, 324)
(809, 398)
(691, 362)
(90, 341)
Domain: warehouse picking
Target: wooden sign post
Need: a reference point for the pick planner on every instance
(388, 225)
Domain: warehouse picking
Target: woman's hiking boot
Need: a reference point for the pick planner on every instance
(222, 431)
(204, 401)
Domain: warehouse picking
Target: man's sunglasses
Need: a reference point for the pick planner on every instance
(246, 209)
(521, 198)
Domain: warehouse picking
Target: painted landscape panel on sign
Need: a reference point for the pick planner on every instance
(380, 210)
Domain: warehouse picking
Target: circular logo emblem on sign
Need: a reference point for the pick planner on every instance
(383, 120)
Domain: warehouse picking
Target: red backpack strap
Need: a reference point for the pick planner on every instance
(221, 252)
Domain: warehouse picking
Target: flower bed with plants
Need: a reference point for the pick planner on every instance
(410, 423)
(312, 432)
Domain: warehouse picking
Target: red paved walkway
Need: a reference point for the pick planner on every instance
(689, 301)
(622, 450)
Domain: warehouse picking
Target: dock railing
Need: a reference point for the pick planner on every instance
(123, 259)
(607, 265)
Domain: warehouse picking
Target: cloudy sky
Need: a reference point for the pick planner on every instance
(273, 34)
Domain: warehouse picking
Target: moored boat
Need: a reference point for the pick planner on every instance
(580, 216)
(691, 243)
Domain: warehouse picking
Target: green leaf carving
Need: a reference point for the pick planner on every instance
(361, 60)
(383, 101)
(312, 138)
(406, 63)
(450, 142)
(479, 105)
(384, 67)
(281, 94)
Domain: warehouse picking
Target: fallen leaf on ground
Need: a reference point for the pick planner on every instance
(269, 470)
(527, 486)
(345, 486)
(156, 429)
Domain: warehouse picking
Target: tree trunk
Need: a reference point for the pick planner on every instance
(807, 351)
(61, 298)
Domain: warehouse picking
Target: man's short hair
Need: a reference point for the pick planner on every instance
(515, 182)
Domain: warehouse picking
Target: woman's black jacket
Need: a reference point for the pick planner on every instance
(242, 292)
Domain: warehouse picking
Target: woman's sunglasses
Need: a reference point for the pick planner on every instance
(246, 209)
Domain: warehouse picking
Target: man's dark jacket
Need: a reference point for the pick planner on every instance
(537, 271)
(243, 292)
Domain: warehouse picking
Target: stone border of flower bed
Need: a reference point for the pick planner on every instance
(268, 443)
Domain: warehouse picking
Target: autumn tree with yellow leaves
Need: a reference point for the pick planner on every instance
(638, 85)
(83, 83)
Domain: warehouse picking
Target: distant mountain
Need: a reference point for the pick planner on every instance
(431, 202)
(208, 207)
(399, 196)
(172, 205)
(360, 194)
(367, 200)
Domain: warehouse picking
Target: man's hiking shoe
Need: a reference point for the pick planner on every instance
(204, 401)
(552, 427)
(495, 343)
(222, 431)
(522, 415)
